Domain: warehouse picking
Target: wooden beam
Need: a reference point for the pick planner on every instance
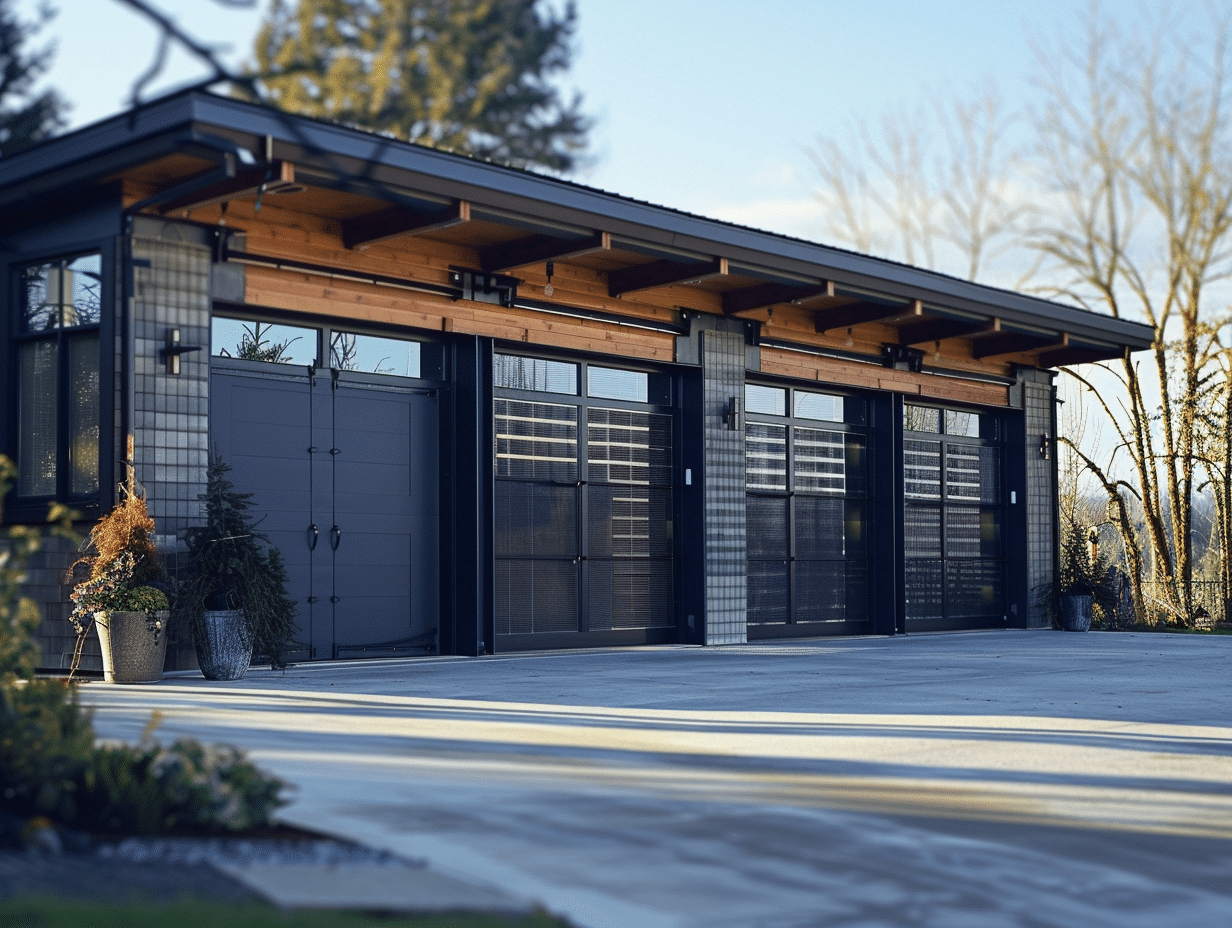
(842, 317)
(1004, 343)
(246, 182)
(662, 274)
(762, 295)
(1079, 354)
(396, 221)
(935, 330)
(535, 249)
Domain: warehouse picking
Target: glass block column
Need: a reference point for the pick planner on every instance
(722, 358)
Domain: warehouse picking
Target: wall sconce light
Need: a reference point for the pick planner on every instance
(170, 353)
(731, 418)
(902, 358)
(1045, 446)
(548, 289)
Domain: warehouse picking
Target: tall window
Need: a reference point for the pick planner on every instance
(57, 344)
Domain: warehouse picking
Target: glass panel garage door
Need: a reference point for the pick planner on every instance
(954, 559)
(584, 503)
(806, 475)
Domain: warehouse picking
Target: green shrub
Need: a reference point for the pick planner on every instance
(50, 765)
(147, 599)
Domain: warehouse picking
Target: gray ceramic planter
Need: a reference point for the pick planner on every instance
(224, 649)
(134, 646)
(1076, 613)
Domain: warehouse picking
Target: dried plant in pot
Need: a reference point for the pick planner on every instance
(123, 594)
(234, 596)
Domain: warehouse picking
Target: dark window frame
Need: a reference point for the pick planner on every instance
(33, 508)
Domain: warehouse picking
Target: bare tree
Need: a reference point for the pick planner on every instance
(1134, 145)
(917, 184)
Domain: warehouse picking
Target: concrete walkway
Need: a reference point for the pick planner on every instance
(984, 779)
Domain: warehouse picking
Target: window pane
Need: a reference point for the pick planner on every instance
(536, 441)
(514, 372)
(922, 469)
(262, 341)
(765, 456)
(83, 284)
(61, 294)
(821, 406)
(610, 384)
(921, 419)
(83, 409)
(36, 419)
(769, 401)
(821, 461)
(966, 424)
(372, 354)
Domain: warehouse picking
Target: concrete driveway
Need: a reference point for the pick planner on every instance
(982, 779)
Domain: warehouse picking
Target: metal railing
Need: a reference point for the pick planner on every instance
(1210, 607)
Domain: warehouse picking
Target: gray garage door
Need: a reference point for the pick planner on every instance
(344, 472)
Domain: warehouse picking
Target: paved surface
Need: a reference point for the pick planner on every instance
(999, 778)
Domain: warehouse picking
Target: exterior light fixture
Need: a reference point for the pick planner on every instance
(171, 351)
(731, 416)
(1045, 446)
(548, 289)
(850, 341)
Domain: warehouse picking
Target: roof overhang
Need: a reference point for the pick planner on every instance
(196, 149)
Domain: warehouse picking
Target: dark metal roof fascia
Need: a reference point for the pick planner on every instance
(521, 191)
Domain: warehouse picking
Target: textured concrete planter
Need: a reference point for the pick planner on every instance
(224, 649)
(1076, 613)
(134, 646)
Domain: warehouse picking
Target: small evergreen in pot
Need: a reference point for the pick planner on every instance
(234, 596)
(122, 595)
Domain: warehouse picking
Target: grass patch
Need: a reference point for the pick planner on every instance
(60, 913)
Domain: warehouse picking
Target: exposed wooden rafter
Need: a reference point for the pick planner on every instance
(246, 182)
(538, 248)
(762, 295)
(395, 221)
(841, 317)
(935, 330)
(662, 274)
(1079, 354)
(1004, 343)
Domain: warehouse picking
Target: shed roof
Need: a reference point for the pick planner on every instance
(196, 147)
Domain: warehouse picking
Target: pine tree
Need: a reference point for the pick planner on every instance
(473, 76)
(26, 117)
(233, 565)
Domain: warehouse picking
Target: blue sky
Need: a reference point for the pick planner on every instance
(701, 105)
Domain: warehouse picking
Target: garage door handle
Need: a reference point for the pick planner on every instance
(312, 537)
(335, 537)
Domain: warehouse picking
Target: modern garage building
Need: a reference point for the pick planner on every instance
(485, 410)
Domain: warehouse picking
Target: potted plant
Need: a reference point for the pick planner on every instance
(1085, 582)
(122, 594)
(234, 596)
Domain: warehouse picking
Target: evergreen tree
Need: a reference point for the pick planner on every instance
(474, 76)
(25, 116)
